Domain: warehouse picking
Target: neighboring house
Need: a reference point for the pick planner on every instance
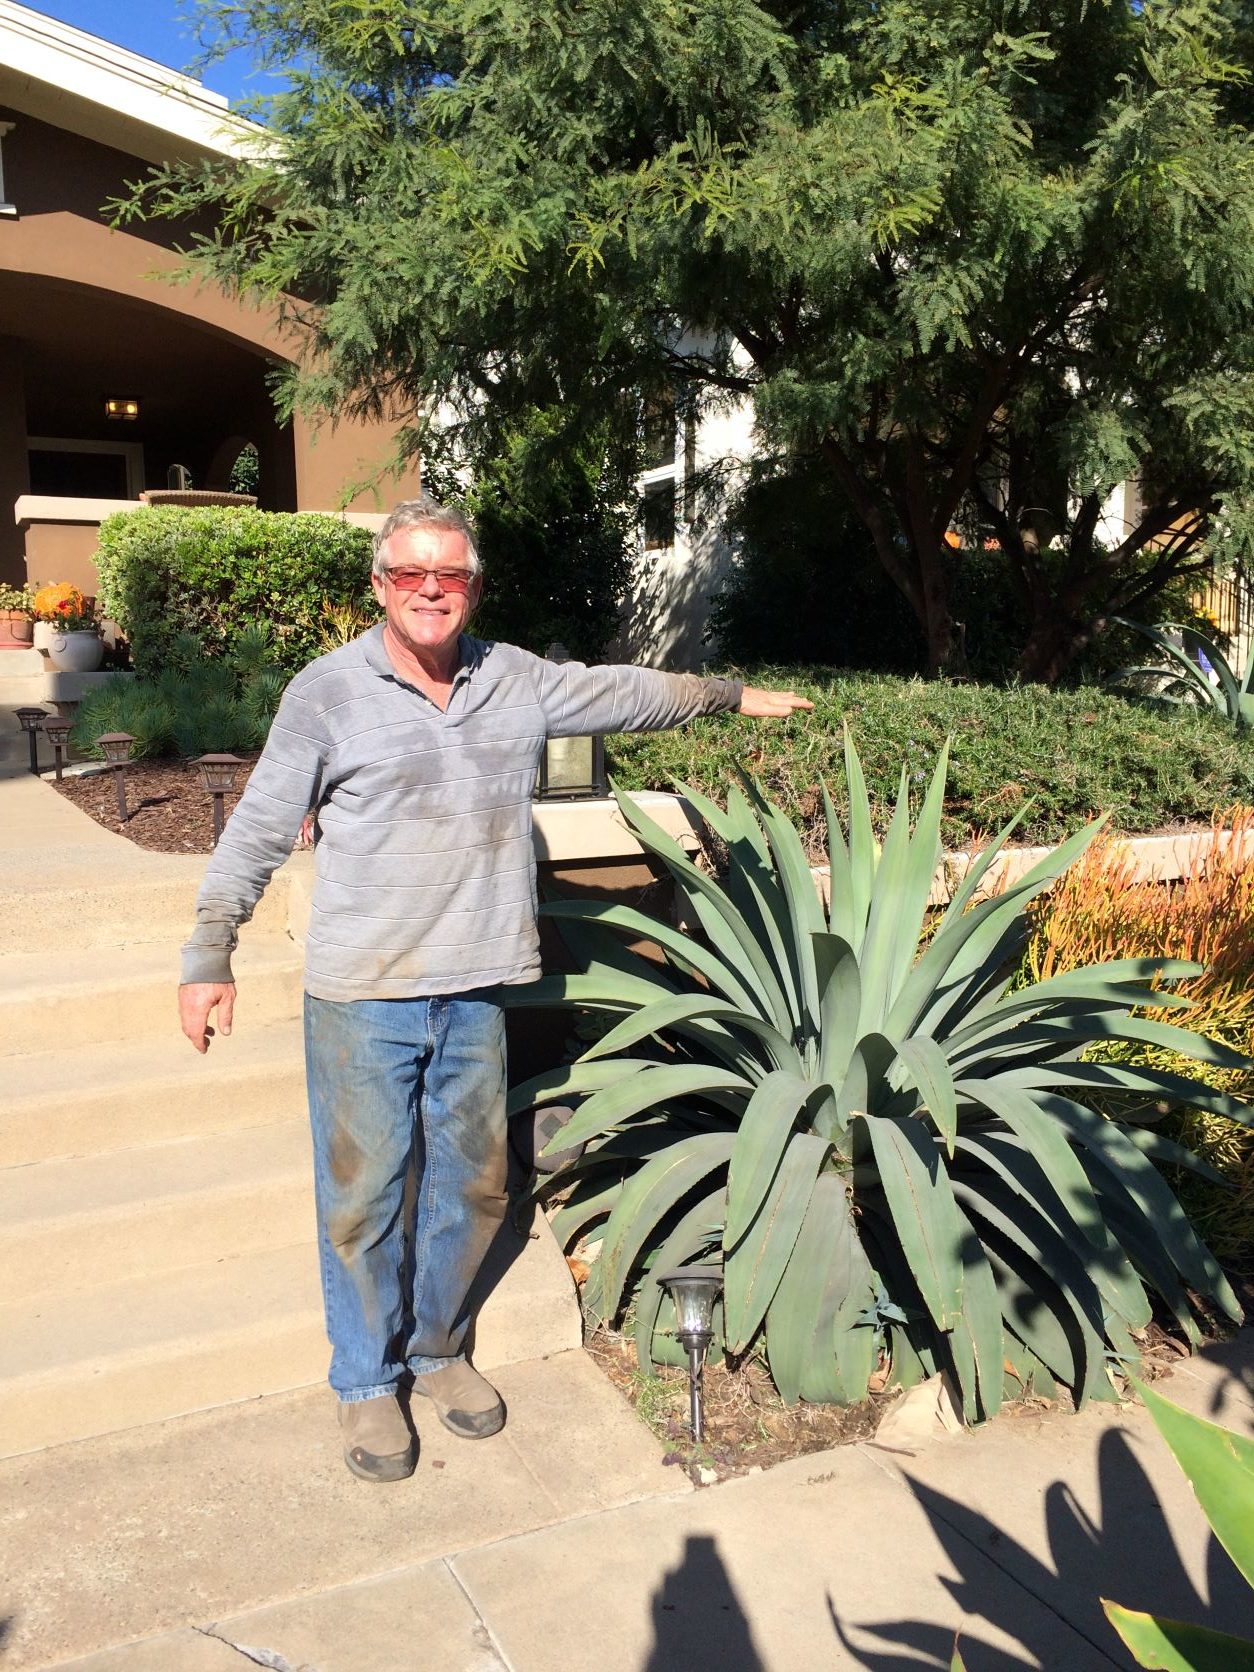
(86, 321)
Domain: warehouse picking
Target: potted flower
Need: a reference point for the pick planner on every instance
(17, 625)
(68, 628)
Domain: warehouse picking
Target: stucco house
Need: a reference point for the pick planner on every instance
(110, 376)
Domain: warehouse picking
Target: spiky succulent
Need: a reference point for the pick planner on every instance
(885, 1141)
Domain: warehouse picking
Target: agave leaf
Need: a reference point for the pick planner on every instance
(1195, 641)
(753, 1267)
(607, 991)
(925, 1215)
(981, 1327)
(765, 1129)
(889, 897)
(801, 895)
(1220, 1467)
(1022, 1172)
(929, 1074)
(826, 1269)
(1141, 1180)
(725, 927)
(840, 1004)
(572, 1079)
(1122, 983)
(1049, 1145)
(1172, 1154)
(654, 1086)
(1106, 1076)
(868, 1068)
(863, 848)
(841, 917)
(699, 1230)
(647, 1197)
(1175, 1646)
(586, 1205)
(671, 1012)
(1031, 1309)
(1198, 682)
(689, 954)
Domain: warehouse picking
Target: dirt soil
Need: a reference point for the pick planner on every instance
(169, 812)
(747, 1424)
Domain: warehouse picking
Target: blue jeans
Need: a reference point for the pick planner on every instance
(396, 1084)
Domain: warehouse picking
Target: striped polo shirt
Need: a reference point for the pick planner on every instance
(425, 869)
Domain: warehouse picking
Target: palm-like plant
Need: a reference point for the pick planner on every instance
(883, 1140)
(1185, 680)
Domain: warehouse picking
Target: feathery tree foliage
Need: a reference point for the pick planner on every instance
(988, 257)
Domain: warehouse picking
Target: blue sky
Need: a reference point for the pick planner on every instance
(159, 29)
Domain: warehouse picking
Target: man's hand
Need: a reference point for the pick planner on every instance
(770, 705)
(196, 1000)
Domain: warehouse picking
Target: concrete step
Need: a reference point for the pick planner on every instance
(67, 909)
(115, 1097)
(167, 1343)
(184, 1203)
(89, 997)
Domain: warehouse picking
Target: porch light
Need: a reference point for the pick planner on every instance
(217, 778)
(125, 407)
(572, 769)
(57, 731)
(30, 720)
(694, 1289)
(115, 746)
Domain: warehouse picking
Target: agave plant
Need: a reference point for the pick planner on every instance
(883, 1138)
(1185, 679)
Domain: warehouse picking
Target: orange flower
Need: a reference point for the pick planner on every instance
(64, 598)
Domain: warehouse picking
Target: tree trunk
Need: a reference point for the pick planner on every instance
(1053, 643)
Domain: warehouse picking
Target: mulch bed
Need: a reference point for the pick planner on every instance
(169, 812)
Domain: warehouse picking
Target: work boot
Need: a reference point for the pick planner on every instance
(378, 1445)
(464, 1402)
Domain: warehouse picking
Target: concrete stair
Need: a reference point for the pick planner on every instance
(157, 1241)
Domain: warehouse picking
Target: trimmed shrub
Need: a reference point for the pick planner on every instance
(166, 570)
(1074, 753)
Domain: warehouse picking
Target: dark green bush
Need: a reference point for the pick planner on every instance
(1073, 752)
(166, 570)
(194, 706)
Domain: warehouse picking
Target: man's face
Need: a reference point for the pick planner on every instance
(428, 619)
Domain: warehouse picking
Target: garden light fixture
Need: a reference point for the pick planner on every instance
(125, 407)
(217, 778)
(694, 1289)
(115, 746)
(57, 731)
(572, 769)
(30, 720)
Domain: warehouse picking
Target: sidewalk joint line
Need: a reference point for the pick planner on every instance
(490, 1637)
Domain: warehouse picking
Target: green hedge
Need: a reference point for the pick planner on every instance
(1075, 753)
(166, 570)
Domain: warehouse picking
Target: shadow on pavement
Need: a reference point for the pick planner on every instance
(1129, 1555)
(697, 1619)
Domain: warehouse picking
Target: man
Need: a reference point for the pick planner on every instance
(418, 746)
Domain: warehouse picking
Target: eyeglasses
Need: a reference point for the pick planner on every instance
(413, 580)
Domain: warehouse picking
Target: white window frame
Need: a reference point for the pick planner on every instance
(131, 451)
(6, 208)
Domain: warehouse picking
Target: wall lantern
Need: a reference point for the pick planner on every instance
(572, 769)
(115, 746)
(125, 407)
(57, 731)
(30, 720)
(694, 1289)
(217, 778)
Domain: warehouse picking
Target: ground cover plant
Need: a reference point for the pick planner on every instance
(1074, 754)
(879, 1135)
(1099, 910)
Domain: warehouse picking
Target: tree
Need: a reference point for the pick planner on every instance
(955, 246)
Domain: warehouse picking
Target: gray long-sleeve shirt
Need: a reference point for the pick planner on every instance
(425, 871)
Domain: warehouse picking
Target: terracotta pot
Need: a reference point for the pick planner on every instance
(76, 652)
(17, 630)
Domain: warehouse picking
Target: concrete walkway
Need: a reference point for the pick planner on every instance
(234, 1536)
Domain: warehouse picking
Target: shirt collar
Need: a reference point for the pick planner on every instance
(469, 654)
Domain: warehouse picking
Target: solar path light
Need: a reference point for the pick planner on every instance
(217, 778)
(116, 749)
(30, 720)
(57, 731)
(694, 1289)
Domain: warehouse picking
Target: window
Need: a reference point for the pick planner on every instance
(659, 516)
(659, 431)
(6, 208)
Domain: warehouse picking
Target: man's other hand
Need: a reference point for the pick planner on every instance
(196, 1000)
(770, 705)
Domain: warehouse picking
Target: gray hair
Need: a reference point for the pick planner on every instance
(424, 512)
